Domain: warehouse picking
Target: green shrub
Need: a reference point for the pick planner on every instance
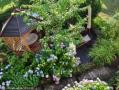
(88, 85)
(103, 52)
(106, 49)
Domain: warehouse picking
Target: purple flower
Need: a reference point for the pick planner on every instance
(56, 79)
(2, 87)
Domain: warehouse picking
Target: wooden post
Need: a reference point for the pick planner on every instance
(89, 17)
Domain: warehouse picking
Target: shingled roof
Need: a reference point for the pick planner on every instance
(14, 27)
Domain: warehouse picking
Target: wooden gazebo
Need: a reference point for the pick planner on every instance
(18, 36)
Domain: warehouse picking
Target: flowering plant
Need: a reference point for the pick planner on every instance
(88, 85)
(57, 59)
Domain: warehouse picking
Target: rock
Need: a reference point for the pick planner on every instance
(49, 87)
(38, 88)
(62, 84)
(103, 73)
(69, 81)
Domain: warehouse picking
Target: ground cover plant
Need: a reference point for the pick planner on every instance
(88, 85)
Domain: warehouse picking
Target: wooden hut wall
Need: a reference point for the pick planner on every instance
(14, 43)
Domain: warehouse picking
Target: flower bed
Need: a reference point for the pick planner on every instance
(62, 24)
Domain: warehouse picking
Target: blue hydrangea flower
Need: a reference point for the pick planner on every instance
(37, 57)
(52, 58)
(25, 75)
(30, 71)
(8, 66)
(8, 83)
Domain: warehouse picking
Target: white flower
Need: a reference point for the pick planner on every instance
(78, 61)
(98, 80)
(72, 48)
(47, 76)
(65, 87)
(75, 82)
(70, 75)
(68, 85)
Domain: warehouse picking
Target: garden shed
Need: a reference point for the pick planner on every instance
(18, 36)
